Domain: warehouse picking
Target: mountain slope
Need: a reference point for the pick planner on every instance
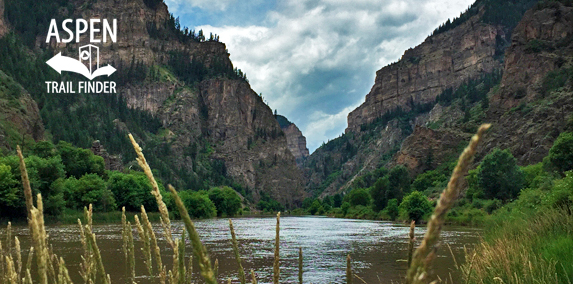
(198, 120)
(422, 109)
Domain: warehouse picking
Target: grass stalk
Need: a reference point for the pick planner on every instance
(165, 222)
(426, 252)
(25, 183)
(182, 270)
(411, 242)
(241, 271)
(96, 255)
(199, 250)
(216, 268)
(276, 267)
(131, 251)
(253, 277)
(348, 270)
(148, 231)
(146, 246)
(300, 265)
(18, 256)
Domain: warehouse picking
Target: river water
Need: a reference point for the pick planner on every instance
(378, 249)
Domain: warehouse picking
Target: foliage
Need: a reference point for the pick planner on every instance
(499, 176)
(358, 196)
(315, 207)
(89, 189)
(428, 179)
(561, 154)
(380, 192)
(10, 193)
(393, 209)
(226, 200)
(132, 190)
(556, 79)
(416, 206)
(78, 162)
(31, 18)
(268, 204)
(198, 204)
(472, 91)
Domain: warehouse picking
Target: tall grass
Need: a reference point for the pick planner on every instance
(535, 250)
(52, 269)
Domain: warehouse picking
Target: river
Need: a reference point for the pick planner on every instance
(377, 248)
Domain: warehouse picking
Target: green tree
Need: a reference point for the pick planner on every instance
(11, 200)
(499, 176)
(561, 154)
(44, 149)
(198, 204)
(416, 206)
(428, 179)
(89, 189)
(226, 200)
(337, 200)
(78, 162)
(132, 190)
(392, 209)
(358, 196)
(399, 182)
(314, 207)
(344, 207)
(379, 192)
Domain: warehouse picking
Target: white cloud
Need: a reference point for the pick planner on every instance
(312, 59)
(212, 5)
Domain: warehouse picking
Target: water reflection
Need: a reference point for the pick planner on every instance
(377, 248)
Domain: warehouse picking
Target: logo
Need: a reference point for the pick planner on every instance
(88, 62)
(63, 63)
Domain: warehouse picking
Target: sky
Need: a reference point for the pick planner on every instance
(314, 61)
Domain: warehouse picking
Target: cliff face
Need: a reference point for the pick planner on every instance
(211, 124)
(19, 115)
(3, 25)
(444, 60)
(296, 143)
(528, 106)
(542, 43)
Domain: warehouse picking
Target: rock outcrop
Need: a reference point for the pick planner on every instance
(221, 117)
(442, 61)
(19, 114)
(3, 24)
(111, 162)
(296, 142)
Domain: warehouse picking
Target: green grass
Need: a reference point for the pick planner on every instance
(536, 249)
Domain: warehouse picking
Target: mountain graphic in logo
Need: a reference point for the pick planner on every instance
(63, 63)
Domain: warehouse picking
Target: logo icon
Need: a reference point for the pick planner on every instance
(88, 54)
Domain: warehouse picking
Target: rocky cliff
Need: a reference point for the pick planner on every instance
(20, 119)
(296, 142)
(213, 128)
(529, 105)
(442, 61)
(3, 24)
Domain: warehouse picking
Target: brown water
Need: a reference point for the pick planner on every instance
(377, 248)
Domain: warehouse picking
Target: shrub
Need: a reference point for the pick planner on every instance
(344, 207)
(561, 154)
(392, 210)
(88, 189)
(11, 199)
(379, 193)
(132, 190)
(499, 176)
(314, 207)
(416, 206)
(226, 200)
(562, 194)
(358, 196)
(198, 204)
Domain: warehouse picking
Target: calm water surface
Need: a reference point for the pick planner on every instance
(377, 248)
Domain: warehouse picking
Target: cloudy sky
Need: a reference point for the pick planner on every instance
(315, 60)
